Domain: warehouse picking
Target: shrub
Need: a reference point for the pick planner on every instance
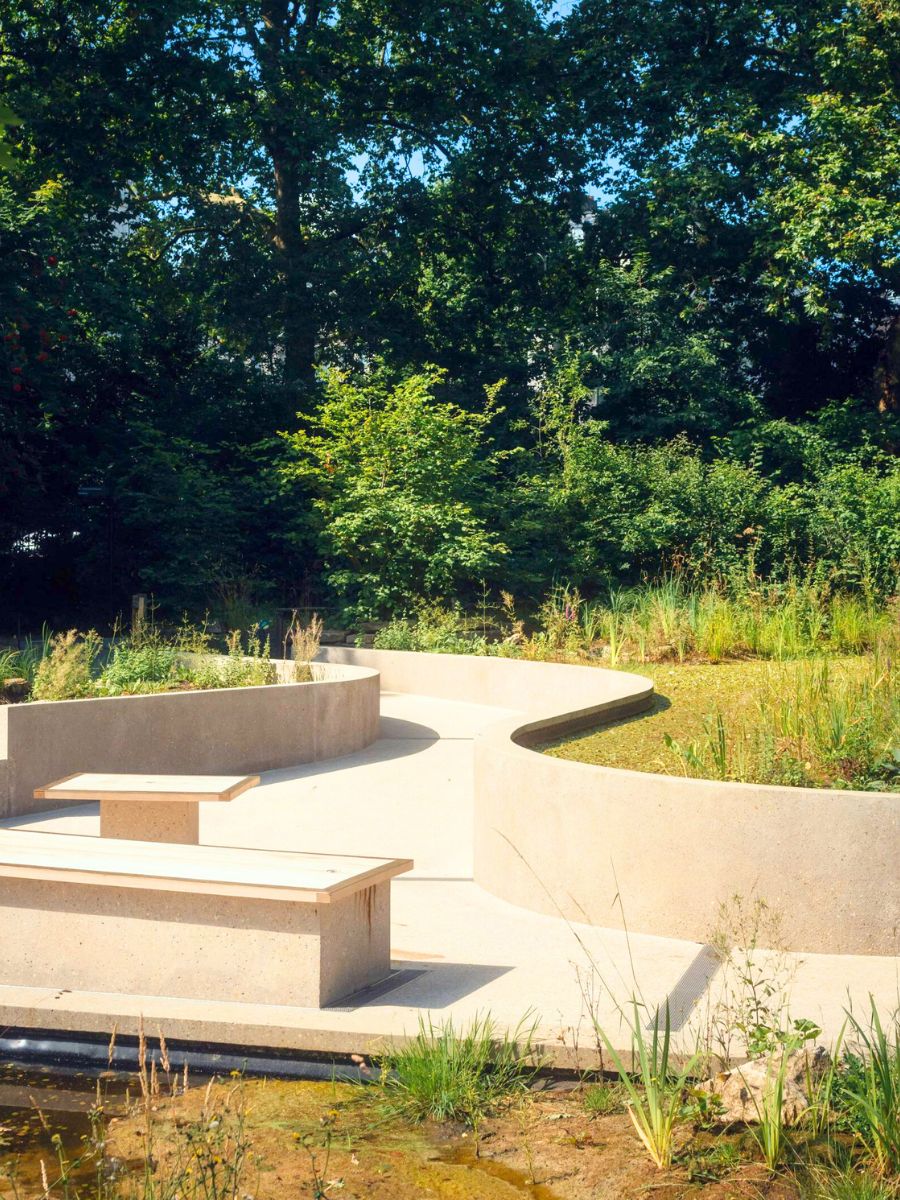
(435, 629)
(402, 488)
(147, 666)
(65, 673)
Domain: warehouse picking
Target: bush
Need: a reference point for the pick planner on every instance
(402, 486)
(65, 672)
(139, 667)
(435, 629)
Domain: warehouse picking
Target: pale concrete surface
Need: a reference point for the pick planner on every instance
(254, 926)
(460, 950)
(223, 731)
(561, 837)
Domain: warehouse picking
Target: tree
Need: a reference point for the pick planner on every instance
(402, 482)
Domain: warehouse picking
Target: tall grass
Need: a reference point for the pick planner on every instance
(670, 620)
(818, 724)
(769, 1130)
(869, 1092)
(448, 1075)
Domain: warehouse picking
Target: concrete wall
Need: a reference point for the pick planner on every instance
(224, 731)
(590, 843)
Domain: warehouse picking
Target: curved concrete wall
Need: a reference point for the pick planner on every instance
(224, 731)
(590, 843)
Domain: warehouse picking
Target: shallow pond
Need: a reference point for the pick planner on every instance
(306, 1136)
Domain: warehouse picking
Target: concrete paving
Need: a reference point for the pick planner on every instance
(457, 951)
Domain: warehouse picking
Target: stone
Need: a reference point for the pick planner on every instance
(333, 637)
(742, 1092)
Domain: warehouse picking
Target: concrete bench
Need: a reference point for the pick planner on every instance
(201, 922)
(149, 808)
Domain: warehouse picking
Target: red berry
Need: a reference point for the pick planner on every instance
(17, 387)
(52, 260)
(71, 312)
(16, 370)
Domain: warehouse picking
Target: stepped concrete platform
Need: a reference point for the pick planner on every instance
(456, 950)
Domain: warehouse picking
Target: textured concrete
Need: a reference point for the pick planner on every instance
(161, 821)
(458, 951)
(204, 923)
(224, 731)
(563, 838)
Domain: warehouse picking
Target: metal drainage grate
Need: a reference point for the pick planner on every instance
(686, 993)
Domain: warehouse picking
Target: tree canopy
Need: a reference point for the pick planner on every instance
(670, 229)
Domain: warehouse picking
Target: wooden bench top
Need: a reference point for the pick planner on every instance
(180, 788)
(216, 870)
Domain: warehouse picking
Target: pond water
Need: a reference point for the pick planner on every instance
(48, 1114)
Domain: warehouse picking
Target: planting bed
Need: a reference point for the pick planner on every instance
(816, 715)
(324, 1139)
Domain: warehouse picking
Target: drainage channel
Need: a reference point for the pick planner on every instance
(90, 1054)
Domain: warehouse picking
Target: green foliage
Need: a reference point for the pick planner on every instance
(246, 664)
(867, 1091)
(816, 725)
(65, 673)
(848, 1184)
(445, 1075)
(769, 1130)
(434, 629)
(603, 1099)
(656, 1088)
(133, 667)
(688, 278)
(402, 489)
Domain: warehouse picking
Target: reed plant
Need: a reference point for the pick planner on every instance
(869, 1092)
(769, 1130)
(672, 619)
(654, 1086)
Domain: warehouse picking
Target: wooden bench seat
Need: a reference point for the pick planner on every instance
(203, 922)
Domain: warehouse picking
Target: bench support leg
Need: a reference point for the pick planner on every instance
(150, 821)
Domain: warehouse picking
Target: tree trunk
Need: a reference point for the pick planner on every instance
(296, 308)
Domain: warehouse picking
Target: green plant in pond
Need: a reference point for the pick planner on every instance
(850, 1183)
(65, 672)
(814, 725)
(603, 1099)
(449, 1075)
(655, 1090)
(867, 1092)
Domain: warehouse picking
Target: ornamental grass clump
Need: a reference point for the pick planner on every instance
(444, 1074)
(66, 670)
(867, 1092)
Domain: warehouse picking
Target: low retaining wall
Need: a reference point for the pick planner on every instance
(226, 731)
(593, 843)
